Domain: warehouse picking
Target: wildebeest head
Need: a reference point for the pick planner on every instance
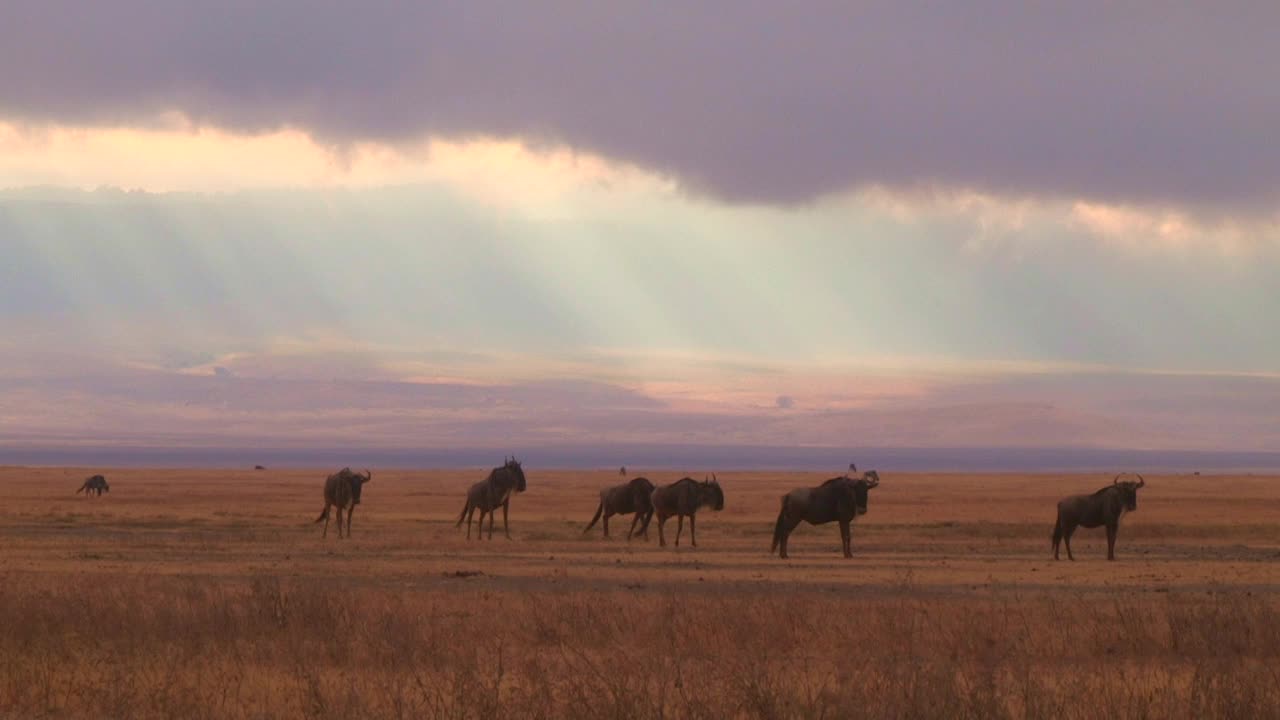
(357, 484)
(1128, 491)
(858, 488)
(709, 493)
(513, 465)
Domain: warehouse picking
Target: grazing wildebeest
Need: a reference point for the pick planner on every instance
(94, 484)
(342, 490)
(840, 499)
(1103, 507)
(684, 497)
(629, 497)
(490, 494)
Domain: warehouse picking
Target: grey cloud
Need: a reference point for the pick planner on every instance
(750, 101)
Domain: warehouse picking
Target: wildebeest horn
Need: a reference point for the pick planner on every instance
(1141, 480)
(715, 479)
(367, 475)
(1116, 479)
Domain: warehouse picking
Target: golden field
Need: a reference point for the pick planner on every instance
(201, 593)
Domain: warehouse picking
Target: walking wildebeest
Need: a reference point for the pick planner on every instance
(684, 497)
(1103, 507)
(490, 494)
(342, 490)
(629, 497)
(94, 484)
(840, 499)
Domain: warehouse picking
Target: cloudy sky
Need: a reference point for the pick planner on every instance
(306, 223)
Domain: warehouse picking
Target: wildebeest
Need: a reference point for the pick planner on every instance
(490, 494)
(342, 490)
(1103, 507)
(684, 497)
(629, 497)
(94, 484)
(840, 499)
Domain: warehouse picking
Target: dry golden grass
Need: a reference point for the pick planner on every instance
(192, 593)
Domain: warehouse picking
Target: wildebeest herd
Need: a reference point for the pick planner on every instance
(841, 500)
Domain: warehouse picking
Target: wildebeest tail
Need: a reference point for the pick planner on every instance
(1057, 532)
(777, 527)
(324, 514)
(465, 506)
(599, 511)
(82, 487)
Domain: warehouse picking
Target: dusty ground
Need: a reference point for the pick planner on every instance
(954, 534)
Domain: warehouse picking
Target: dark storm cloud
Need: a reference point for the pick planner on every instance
(755, 101)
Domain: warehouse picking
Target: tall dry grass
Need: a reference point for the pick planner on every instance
(169, 647)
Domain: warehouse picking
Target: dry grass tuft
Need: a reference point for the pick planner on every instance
(170, 647)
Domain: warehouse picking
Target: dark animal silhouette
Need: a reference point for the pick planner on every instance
(342, 491)
(492, 493)
(840, 499)
(683, 498)
(259, 467)
(629, 497)
(94, 484)
(1104, 507)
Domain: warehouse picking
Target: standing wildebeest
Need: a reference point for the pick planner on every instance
(840, 498)
(94, 484)
(684, 497)
(490, 494)
(629, 497)
(1103, 507)
(342, 490)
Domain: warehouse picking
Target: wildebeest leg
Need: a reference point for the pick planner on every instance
(662, 537)
(679, 528)
(338, 511)
(635, 519)
(606, 522)
(785, 537)
(492, 514)
(325, 534)
(644, 527)
(1111, 541)
(845, 539)
(505, 527)
(351, 511)
(693, 535)
(1066, 540)
(1057, 537)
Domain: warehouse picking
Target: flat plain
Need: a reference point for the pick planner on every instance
(210, 593)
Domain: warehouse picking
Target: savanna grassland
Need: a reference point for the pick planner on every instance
(197, 593)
